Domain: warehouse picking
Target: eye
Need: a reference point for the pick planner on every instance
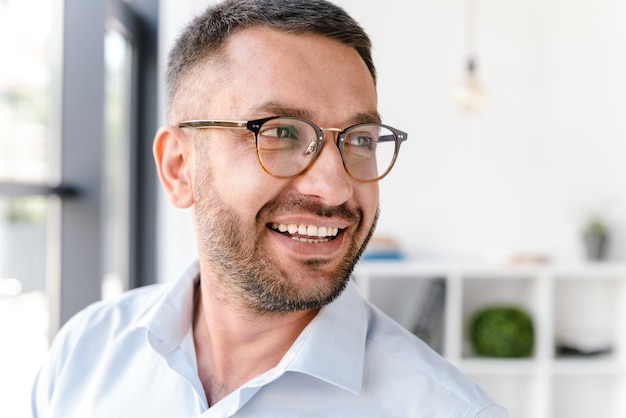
(281, 135)
(281, 132)
(362, 139)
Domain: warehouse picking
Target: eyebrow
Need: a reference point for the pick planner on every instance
(278, 109)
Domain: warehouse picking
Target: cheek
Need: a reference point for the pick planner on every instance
(249, 194)
(242, 183)
(366, 196)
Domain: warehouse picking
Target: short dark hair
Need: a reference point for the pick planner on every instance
(204, 37)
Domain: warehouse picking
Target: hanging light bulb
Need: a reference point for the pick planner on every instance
(470, 95)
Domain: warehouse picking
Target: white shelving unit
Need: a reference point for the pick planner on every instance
(586, 303)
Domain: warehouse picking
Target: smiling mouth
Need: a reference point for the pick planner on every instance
(311, 234)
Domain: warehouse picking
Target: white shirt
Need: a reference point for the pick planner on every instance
(135, 358)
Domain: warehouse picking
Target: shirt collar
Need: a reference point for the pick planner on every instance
(171, 318)
(331, 347)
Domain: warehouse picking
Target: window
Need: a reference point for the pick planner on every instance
(75, 169)
(117, 160)
(25, 148)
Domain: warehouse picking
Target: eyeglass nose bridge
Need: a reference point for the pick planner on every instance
(337, 131)
(315, 146)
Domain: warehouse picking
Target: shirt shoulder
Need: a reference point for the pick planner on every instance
(83, 342)
(402, 360)
(97, 325)
(139, 306)
(119, 313)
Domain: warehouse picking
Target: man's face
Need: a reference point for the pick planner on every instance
(241, 212)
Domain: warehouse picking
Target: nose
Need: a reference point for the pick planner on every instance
(327, 179)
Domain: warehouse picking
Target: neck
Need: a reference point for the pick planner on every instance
(234, 344)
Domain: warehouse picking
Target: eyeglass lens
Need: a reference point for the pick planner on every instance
(287, 146)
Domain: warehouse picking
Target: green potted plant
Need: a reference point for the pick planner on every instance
(596, 238)
(502, 331)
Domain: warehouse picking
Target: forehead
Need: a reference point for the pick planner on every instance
(302, 71)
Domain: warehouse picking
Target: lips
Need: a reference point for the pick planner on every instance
(307, 233)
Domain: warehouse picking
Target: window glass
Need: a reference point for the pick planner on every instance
(25, 107)
(24, 317)
(24, 89)
(118, 79)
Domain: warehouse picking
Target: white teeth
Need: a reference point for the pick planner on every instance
(310, 241)
(307, 230)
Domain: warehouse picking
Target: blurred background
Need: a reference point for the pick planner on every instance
(515, 112)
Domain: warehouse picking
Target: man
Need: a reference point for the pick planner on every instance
(276, 144)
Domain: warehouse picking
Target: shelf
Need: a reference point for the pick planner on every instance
(583, 305)
(499, 367)
(523, 395)
(480, 293)
(589, 396)
(590, 314)
(605, 366)
(602, 366)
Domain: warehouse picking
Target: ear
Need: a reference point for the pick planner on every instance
(173, 163)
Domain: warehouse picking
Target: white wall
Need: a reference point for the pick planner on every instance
(175, 239)
(520, 175)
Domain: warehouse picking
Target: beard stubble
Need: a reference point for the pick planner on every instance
(245, 271)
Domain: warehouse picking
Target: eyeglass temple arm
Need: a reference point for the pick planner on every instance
(200, 124)
(390, 138)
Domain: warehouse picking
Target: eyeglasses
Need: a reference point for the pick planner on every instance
(288, 146)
